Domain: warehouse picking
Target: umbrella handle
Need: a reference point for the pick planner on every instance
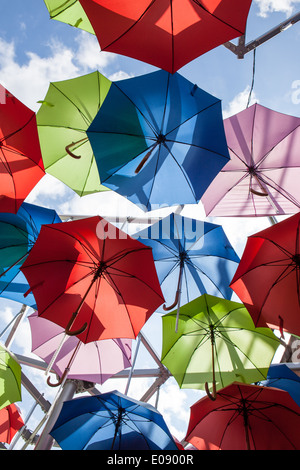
(178, 292)
(173, 304)
(213, 395)
(69, 325)
(60, 381)
(67, 148)
(258, 193)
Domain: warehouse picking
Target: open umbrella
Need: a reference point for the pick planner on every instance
(18, 233)
(70, 12)
(111, 421)
(245, 417)
(10, 422)
(89, 276)
(63, 118)
(21, 165)
(10, 378)
(164, 33)
(95, 362)
(267, 278)
(261, 178)
(192, 257)
(159, 140)
(216, 343)
(281, 376)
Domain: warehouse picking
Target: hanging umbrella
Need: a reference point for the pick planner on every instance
(18, 233)
(70, 12)
(10, 378)
(192, 257)
(111, 421)
(267, 278)
(92, 277)
(158, 140)
(63, 118)
(164, 33)
(216, 343)
(245, 417)
(10, 422)
(94, 362)
(21, 166)
(281, 376)
(261, 178)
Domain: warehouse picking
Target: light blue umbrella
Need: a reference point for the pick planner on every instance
(281, 376)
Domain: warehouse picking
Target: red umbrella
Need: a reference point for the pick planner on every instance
(10, 422)
(21, 165)
(267, 278)
(164, 33)
(245, 417)
(89, 276)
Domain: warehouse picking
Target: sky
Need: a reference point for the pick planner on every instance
(35, 50)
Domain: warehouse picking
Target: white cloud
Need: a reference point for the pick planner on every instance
(270, 6)
(239, 102)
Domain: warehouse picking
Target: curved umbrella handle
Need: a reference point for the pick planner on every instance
(178, 290)
(173, 304)
(257, 193)
(69, 326)
(67, 148)
(60, 381)
(213, 395)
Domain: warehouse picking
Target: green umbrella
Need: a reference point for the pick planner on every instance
(65, 114)
(10, 378)
(70, 12)
(216, 342)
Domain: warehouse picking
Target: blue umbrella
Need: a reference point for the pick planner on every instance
(159, 139)
(280, 376)
(18, 233)
(192, 258)
(111, 421)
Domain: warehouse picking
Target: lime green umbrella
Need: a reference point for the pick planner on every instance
(216, 343)
(65, 114)
(70, 12)
(10, 378)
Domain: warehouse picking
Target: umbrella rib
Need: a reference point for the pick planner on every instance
(264, 157)
(217, 18)
(268, 181)
(87, 117)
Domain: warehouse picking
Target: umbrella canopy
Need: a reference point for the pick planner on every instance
(164, 33)
(92, 277)
(159, 140)
(281, 376)
(267, 278)
(261, 178)
(111, 421)
(70, 12)
(21, 165)
(94, 362)
(63, 118)
(216, 343)
(245, 417)
(18, 233)
(10, 378)
(10, 422)
(191, 255)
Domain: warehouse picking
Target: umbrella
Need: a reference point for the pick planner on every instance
(94, 362)
(261, 178)
(158, 140)
(267, 278)
(63, 118)
(193, 255)
(10, 422)
(70, 12)
(281, 376)
(245, 417)
(111, 421)
(91, 276)
(217, 343)
(21, 166)
(10, 378)
(164, 33)
(18, 233)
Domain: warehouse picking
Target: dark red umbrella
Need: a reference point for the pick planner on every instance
(89, 276)
(10, 422)
(245, 417)
(165, 33)
(21, 165)
(267, 279)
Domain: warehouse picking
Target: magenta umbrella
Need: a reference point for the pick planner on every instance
(94, 362)
(262, 177)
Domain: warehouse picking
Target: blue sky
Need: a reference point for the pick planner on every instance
(35, 50)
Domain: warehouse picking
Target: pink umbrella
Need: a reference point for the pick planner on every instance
(94, 362)
(262, 177)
